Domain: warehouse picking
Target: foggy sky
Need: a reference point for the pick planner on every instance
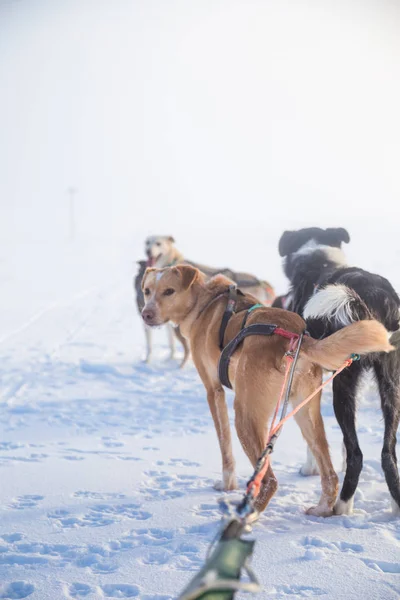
(182, 116)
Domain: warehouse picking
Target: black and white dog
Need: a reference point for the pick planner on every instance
(330, 295)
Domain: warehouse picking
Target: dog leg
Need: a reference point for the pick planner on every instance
(186, 347)
(344, 404)
(312, 427)
(252, 433)
(219, 412)
(344, 458)
(186, 353)
(268, 489)
(171, 341)
(386, 371)
(149, 344)
(310, 466)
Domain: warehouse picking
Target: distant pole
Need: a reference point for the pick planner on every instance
(72, 224)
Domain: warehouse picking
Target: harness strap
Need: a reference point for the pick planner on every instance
(173, 263)
(255, 329)
(229, 310)
(249, 310)
(287, 334)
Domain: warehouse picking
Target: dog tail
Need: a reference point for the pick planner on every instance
(359, 338)
(337, 303)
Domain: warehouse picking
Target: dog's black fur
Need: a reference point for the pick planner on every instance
(137, 284)
(369, 296)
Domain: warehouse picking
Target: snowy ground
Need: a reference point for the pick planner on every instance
(107, 464)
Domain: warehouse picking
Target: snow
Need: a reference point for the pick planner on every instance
(108, 464)
(222, 123)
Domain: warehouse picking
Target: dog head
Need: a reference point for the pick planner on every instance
(292, 241)
(312, 250)
(157, 246)
(169, 294)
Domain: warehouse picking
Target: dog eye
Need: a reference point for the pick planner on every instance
(168, 292)
(146, 291)
(158, 243)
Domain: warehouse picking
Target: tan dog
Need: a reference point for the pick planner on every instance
(184, 296)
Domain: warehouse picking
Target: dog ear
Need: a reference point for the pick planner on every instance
(147, 271)
(188, 275)
(339, 234)
(291, 241)
(286, 243)
(171, 239)
(344, 234)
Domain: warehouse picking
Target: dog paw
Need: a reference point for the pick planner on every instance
(310, 466)
(184, 361)
(395, 508)
(321, 510)
(343, 508)
(308, 470)
(228, 484)
(218, 485)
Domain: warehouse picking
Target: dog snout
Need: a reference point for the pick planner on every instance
(148, 315)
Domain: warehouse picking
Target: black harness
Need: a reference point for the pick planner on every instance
(255, 329)
(224, 359)
(229, 310)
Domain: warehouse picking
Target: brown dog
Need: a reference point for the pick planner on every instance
(183, 295)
